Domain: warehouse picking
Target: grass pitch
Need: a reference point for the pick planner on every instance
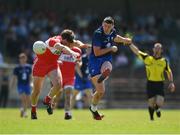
(115, 122)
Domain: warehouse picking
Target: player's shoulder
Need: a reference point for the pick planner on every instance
(53, 40)
(98, 31)
(18, 66)
(164, 59)
(58, 37)
(28, 65)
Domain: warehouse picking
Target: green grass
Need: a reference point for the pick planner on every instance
(115, 121)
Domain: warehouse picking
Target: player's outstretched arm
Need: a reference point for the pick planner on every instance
(99, 52)
(65, 49)
(80, 44)
(120, 39)
(134, 49)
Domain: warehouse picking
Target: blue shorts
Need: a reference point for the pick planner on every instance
(96, 63)
(24, 89)
(82, 84)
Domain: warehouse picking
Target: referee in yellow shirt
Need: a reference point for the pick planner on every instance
(155, 65)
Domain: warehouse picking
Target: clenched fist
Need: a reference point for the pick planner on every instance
(171, 87)
(114, 48)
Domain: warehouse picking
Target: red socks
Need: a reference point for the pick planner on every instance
(33, 108)
(47, 99)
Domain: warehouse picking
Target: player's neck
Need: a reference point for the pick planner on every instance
(22, 64)
(107, 32)
(70, 46)
(157, 56)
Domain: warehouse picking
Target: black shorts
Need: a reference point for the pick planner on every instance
(155, 88)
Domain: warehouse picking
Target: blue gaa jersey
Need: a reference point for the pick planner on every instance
(100, 39)
(83, 83)
(23, 74)
(84, 67)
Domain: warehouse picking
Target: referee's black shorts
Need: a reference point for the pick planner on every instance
(155, 88)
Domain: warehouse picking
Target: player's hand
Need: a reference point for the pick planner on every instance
(54, 49)
(127, 41)
(171, 87)
(114, 49)
(75, 55)
(87, 46)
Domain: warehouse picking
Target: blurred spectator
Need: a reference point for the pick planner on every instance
(137, 63)
(1, 59)
(173, 52)
(4, 87)
(21, 28)
(121, 60)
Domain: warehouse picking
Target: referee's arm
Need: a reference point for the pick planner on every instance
(141, 55)
(171, 86)
(134, 49)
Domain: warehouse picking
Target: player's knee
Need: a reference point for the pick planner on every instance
(36, 92)
(160, 104)
(36, 89)
(151, 102)
(106, 66)
(160, 101)
(68, 93)
(57, 86)
(101, 93)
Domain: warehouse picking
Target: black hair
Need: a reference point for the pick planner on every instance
(68, 35)
(108, 20)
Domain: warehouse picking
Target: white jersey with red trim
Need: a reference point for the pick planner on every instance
(68, 62)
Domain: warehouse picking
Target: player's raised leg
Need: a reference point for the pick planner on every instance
(106, 69)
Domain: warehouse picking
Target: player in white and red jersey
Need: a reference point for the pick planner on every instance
(46, 65)
(67, 67)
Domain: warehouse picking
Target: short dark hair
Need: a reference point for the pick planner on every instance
(68, 35)
(108, 20)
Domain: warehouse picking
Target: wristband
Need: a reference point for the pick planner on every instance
(171, 82)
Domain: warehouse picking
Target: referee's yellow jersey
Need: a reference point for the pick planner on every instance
(154, 67)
